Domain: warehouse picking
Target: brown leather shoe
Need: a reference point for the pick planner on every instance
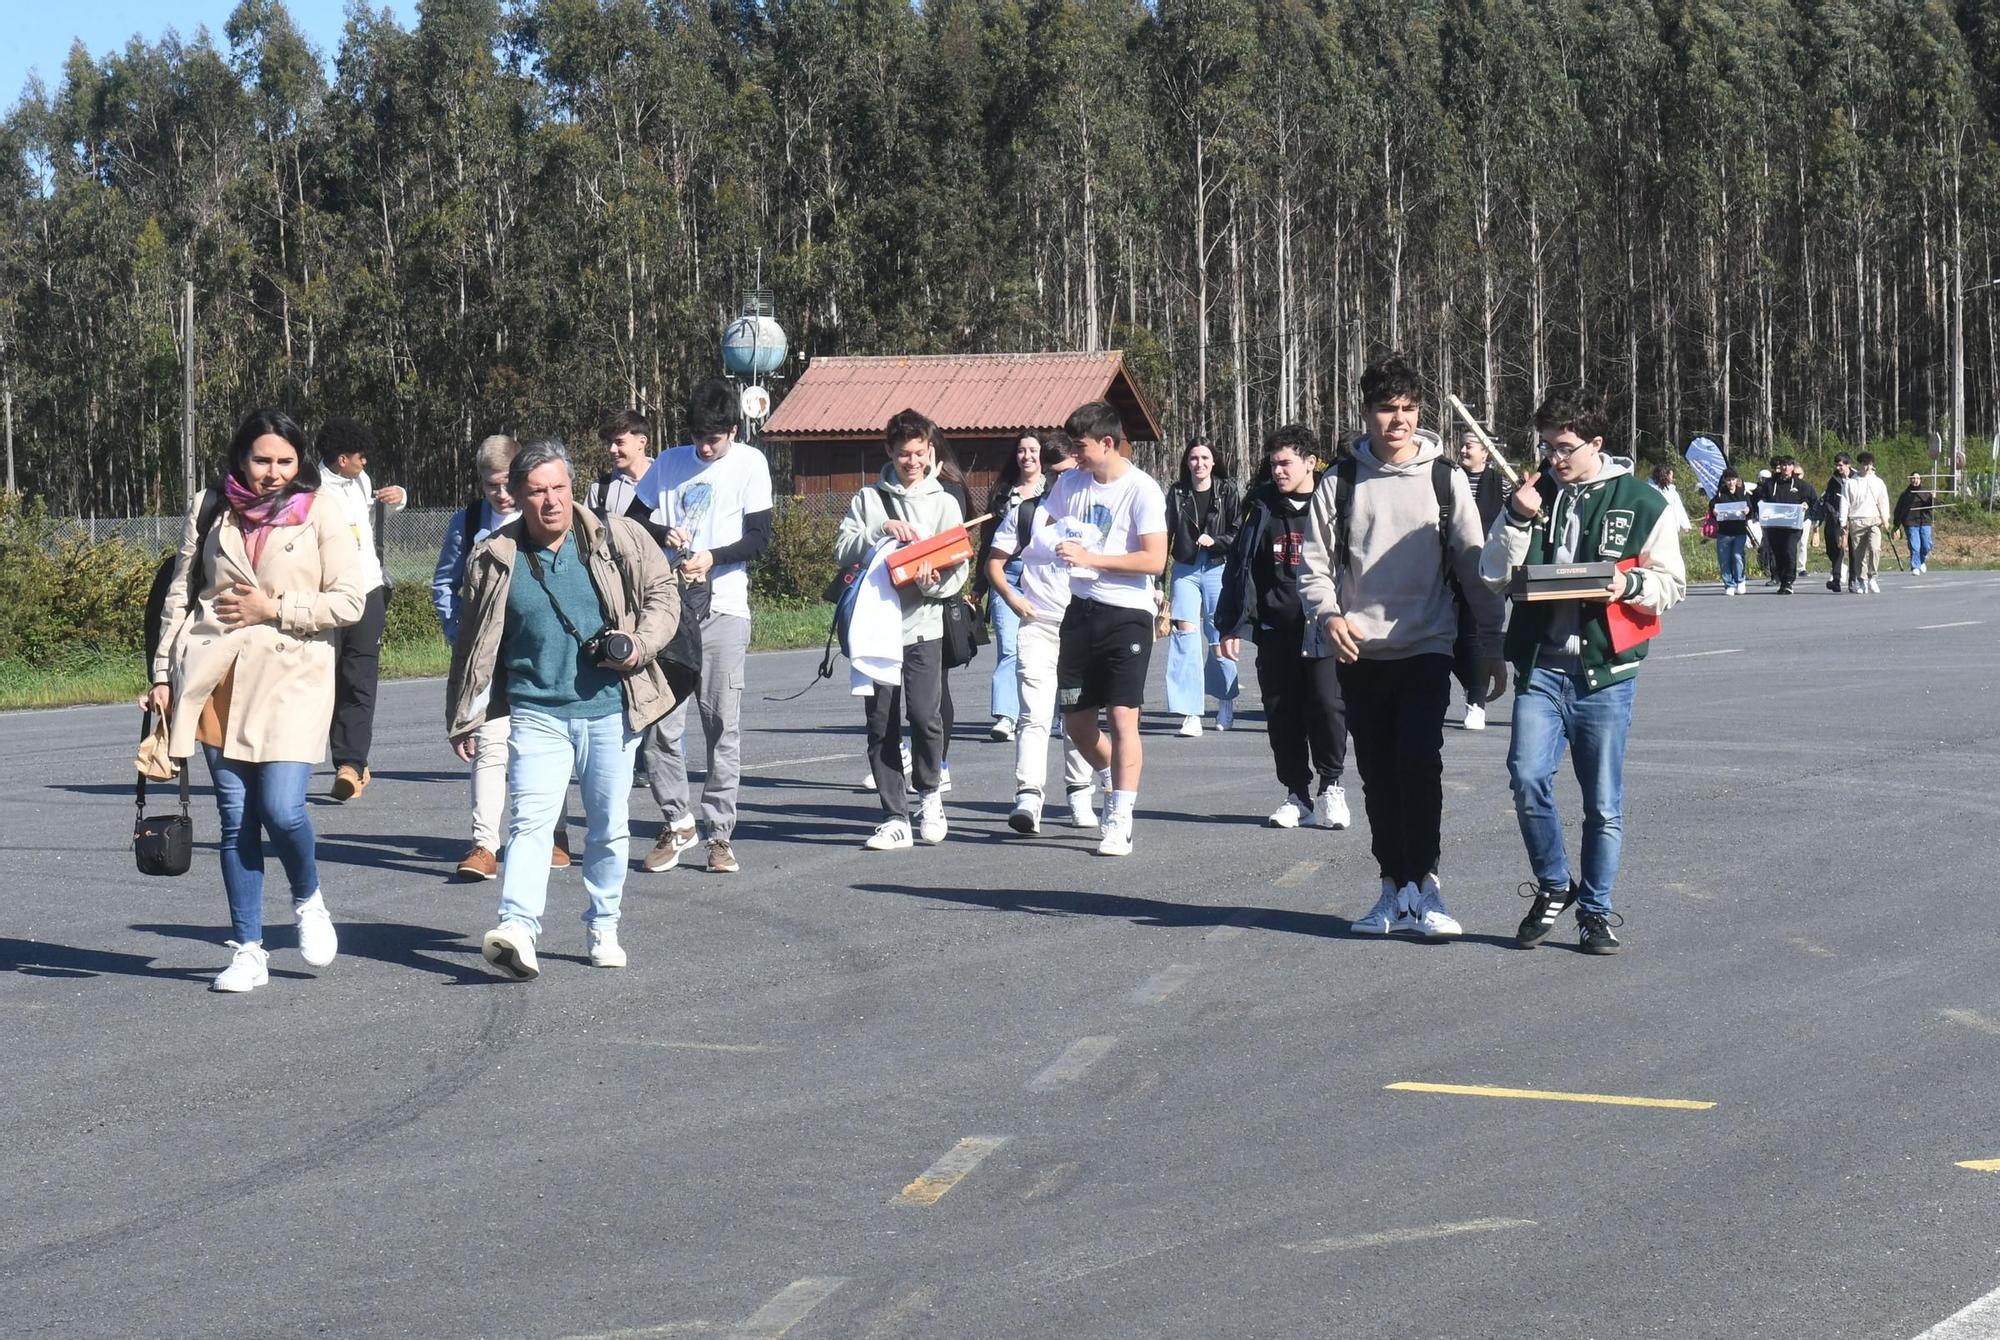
(721, 857)
(348, 784)
(478, 863)
(559, 857)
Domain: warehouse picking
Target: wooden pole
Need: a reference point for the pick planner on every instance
(8, 395)
(187, 393)
(1493, 452)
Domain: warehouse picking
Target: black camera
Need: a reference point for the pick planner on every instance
(608, 646)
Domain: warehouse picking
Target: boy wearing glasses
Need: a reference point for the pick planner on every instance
(1572, 691)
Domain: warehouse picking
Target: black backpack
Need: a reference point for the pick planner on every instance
(197, 575)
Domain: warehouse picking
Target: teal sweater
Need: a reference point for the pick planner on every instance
(544, 672)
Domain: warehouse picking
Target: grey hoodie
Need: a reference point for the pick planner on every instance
(1393, 593)
(930, 509)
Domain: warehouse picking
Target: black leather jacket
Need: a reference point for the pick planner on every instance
(1184, 516)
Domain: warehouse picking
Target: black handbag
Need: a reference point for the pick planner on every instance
(162, 844)
(964, 633)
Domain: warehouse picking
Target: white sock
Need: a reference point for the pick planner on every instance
(1122, 801)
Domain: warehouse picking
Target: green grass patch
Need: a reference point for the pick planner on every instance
(101, 679)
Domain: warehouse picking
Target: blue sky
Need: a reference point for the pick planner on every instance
(39, 32)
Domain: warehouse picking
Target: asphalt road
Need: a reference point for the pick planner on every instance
(1006, 1088)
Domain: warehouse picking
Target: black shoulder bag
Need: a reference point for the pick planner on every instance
(162, 844)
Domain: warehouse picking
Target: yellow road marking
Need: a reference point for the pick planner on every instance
(1982, 1165)
(949, 1170)
(1548, 1095)
(1399, 1235)
(1073, 1064)
(1300, 872)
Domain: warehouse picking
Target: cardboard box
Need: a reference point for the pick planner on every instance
(1561, 581)
(940, 551)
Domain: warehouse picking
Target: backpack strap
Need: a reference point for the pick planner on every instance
(204, 522)
(1441, 473)
(1343, 508)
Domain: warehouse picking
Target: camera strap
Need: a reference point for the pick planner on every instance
(535, 566)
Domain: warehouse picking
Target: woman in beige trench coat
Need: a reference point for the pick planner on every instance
(246, 670)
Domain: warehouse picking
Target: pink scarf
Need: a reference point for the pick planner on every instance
(258, 516)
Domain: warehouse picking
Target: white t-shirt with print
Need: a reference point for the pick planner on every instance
(1044, 580)
(1108, 519)
(709, 499)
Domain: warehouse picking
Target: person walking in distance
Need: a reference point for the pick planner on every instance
(1783, 502)
(1203, 507)
(1022, 479)
(1574, 685)
(1111, 532)
(1390, 552)
(628, 438)
(713, 496)
(1296, 672)
(1729, 511)
(344, 448)
(246, 670)
(480, 518)
(1028, 578)
(1913, 514)
(567, 614)
(1867, 512)
(1490, 491)
(1832, 513)
(908, 504)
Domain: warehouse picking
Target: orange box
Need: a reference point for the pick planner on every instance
(940, 551)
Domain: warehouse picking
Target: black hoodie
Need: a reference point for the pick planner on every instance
(1260, 586)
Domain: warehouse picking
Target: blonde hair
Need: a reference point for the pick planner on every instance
(495, 453)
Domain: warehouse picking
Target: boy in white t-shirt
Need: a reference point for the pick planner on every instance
(1040, 602)
(713, 499)
(1110, 519)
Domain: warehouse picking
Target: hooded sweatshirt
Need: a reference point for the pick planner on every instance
(925, 505)
(1260, 585)
(1392, 592)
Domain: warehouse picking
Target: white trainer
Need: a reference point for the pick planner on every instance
(1874, 587)
(1288, 814)
(889, 835)
(931, 826)
(1387, 911)
(605, 951)
(1027, 814)
(511, 949)
(246, 968)
(1427, 911)
(1331, 812)
(1475, 717)
(1083, 808)
(1225, 714)
(1117, 839)
(1190, 727)
(317, 942)
(944, 776)
(1003, 729)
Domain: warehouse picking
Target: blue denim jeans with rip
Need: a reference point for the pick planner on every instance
(1554, 711)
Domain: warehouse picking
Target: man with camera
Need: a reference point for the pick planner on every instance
(578, 700)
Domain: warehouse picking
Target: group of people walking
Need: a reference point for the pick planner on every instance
(1776, 516)
(585, 622)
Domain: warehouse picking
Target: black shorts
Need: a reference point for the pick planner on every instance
(1106, 650)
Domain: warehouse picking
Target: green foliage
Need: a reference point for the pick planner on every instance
(411, 619)
(799, 563)
(64, 599)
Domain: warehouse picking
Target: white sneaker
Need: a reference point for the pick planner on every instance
(1117, 839)
(890, 835)
(1190, 727)
(868, 779)
(511, 949)
(1728, 590)
(944, 776)
(931, 826)
(1003, 729)
(1874, 587)
(1426, 910)
(317, 942)
(1027, 815)
(1082, 809)
(1388, 910)
(1331, 812)
(246, 968)
(1475, 717)
(605, 951)
(1288, 814)
(1225, 714)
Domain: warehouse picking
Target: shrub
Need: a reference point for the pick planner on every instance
(62, 597)
(411, 618)
(799, 563)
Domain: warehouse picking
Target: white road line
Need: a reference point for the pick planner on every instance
(1162, 984)
(1691, 655)
(649, 1332)
(1981, 1321)
(699, 1046)
(1400, 1235)
(1972, 1019)
(1235, 926)
(1300, 872)
(1962, 623)
(795, 762)
(788, 1309)
(1073, 1064)
(950, 1169)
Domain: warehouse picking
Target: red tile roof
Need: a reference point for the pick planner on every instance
(963, 393)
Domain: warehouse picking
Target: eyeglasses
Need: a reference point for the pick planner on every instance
(1562, 451)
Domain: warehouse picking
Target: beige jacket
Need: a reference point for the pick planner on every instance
(281, 701)
(623, 560)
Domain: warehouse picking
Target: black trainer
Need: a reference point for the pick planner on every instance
(1543, 913)
(1594, 932)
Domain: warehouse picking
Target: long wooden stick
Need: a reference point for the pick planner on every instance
(1493, 452)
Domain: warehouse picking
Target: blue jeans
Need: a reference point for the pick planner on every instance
(541, 751)
(1195, 671)
(255, 799)
(1729, 552)
(1920, 544)
(1553, 710)
(1006, 696)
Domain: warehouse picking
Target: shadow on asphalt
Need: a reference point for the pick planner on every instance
(406, 853)
(37, 958)
(1138, 911)
(425, 948)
